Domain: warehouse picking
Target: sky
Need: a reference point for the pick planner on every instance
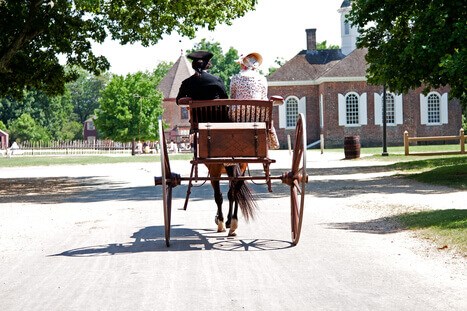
(276, 29)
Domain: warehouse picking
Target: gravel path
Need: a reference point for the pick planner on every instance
(91, 238)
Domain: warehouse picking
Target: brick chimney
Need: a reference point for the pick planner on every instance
(311, 39)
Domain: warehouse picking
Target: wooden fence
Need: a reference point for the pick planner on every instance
(460, 138)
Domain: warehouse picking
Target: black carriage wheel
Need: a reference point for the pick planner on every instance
(166, 187)
(300, 178)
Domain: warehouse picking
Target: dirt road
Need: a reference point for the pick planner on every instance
(92, 238)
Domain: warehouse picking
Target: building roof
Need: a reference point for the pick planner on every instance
(314, 64)
(307, 65)
(354, 65)
(322, 56)
(170, 84)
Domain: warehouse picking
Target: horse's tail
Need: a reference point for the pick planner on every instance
(244, 196)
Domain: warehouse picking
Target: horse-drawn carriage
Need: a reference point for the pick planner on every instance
(229, 133)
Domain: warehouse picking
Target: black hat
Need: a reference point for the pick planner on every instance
(203, 55)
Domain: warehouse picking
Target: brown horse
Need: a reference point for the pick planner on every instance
(239, 195)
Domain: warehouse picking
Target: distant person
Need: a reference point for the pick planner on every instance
(145, 147)
(139, 147)
(173, 147)
(202, 85)
(250, 84)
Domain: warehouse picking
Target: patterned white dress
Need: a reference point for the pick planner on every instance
(250, 84)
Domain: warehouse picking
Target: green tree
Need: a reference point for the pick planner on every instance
(324, 46)
(34, 32)
(51, 113)
(223, 65)
(25, 128)
(414, 43)
(129, 108)
(160, 71)
(85, 93)
(72, 130)
(279, 61)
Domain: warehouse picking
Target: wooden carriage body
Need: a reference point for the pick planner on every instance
(231, 129)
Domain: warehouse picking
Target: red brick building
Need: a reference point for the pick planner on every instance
(174, 116)
(4, 140)
(89, 130)
(330, 88)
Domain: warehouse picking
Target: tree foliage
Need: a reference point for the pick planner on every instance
(160, 71)
(129, 108)
(25, 128)
(414, 43)
(324, 46)
(35, 32)
(51, 113)
(85, 93)
(223, 65)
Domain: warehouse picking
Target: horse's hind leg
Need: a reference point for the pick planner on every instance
(232, 219)
(230, 195)
(218, 198)
(231, 198)
(234, 222)
(233, 225)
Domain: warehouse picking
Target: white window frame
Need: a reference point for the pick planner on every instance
(283, 111)
(90, 126)
(443, 109)
(184, 114)
(398, 109)
(362, 109)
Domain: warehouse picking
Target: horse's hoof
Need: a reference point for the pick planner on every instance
(220, 227)
(234, 224)
(233, 227)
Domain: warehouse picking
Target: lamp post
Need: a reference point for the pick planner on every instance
(385, 148)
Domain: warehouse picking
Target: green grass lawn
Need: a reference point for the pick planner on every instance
(445, 228)
(19, 161)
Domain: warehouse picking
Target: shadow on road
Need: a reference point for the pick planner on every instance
(152, 239)
(340, 184)
(384, 225)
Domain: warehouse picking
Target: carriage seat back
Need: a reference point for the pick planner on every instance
(229, 110)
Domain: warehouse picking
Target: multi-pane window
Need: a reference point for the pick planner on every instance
(433, 108)
(184, 113)
(291, 107)
(390, 109)
(90, 126)
(346, 28)
(351, 109)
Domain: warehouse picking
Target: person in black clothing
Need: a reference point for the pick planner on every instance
(202, 85)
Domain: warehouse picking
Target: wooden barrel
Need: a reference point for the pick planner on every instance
(352, 147)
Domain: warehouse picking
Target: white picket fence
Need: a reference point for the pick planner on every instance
(78, 147)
